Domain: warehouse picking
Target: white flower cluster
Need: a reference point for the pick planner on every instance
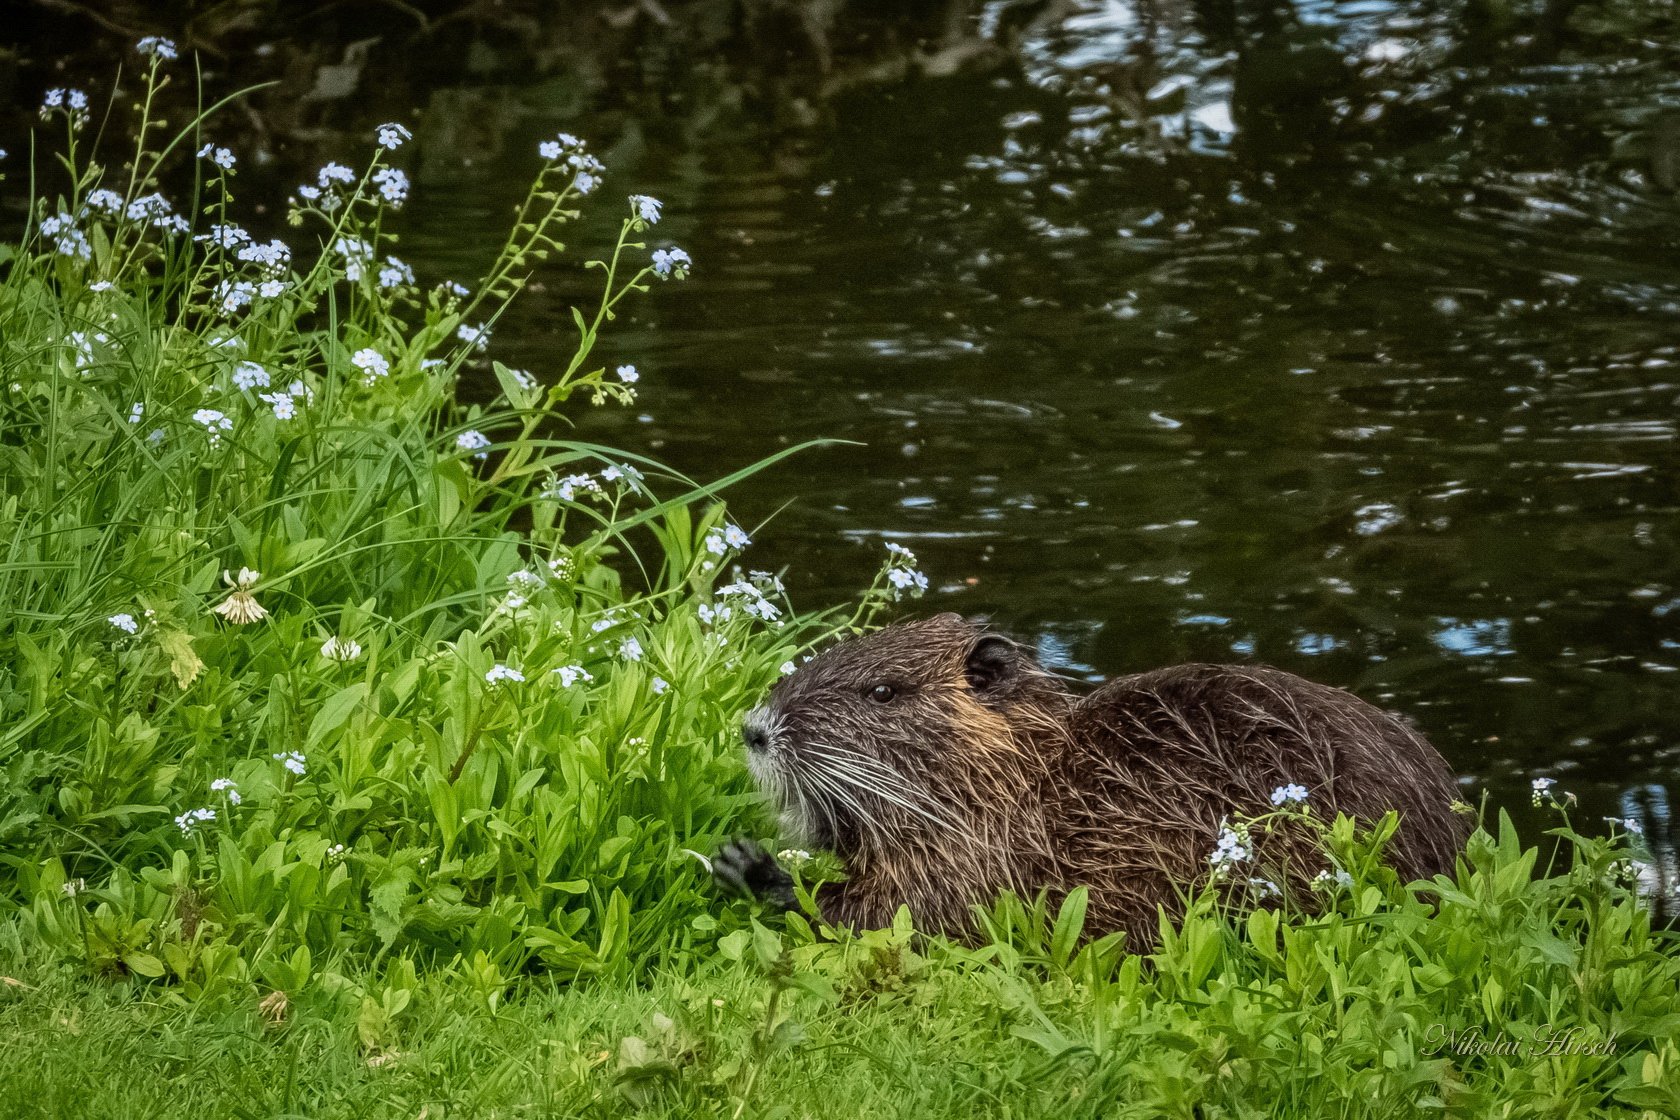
(222, 236)
(903, 576)
(340, 649)
(250, 375)
(357, 254)
(392, 135)
(1291, 794)
(241, 605)
(630, 649)
(568, 152)
(285, 402)
(68, 241)
(671, 263)
(1232, 847)
(221, 157)
(477, 337)
(328, 190)
(227, 786)
(156, 211)
(393, 186)
(395, 274)
(720, 539)
(528, 581)
(193, 817)
(292, 761)
(1334, 878)
(474, 442)
(81, 348)
(1542, 788)
(1628, 825)
(73, 103)
(499, 673)
(574, 487)
(753, 599)
(571, 674)
(215, 423)
(272, 262)
(568, 488)
(372, 363)
(645, 208)
(156, 46)
(124, 622)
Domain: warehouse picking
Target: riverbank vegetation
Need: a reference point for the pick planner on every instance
(358, 735)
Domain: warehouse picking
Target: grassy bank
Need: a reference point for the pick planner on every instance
(1509, 996)
(354, 741)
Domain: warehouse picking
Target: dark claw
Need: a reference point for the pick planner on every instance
(745, 868)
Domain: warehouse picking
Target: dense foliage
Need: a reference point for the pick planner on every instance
(353, 739)
(301, 656)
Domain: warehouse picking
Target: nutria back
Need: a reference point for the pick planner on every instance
(944, 764)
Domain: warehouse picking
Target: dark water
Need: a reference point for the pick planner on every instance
(1344, 338)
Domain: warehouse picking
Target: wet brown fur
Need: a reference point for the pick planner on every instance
(984, 773)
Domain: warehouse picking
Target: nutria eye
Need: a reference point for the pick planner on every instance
(882, 693)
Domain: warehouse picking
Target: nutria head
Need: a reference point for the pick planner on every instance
(904, 735)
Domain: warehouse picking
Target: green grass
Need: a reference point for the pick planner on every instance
(344, 771)
(1354, 1012)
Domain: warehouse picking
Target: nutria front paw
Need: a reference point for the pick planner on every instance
(746, 868)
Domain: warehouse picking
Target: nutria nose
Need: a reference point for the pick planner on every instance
(757, 738)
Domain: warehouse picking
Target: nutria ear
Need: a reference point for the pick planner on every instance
(991, 661)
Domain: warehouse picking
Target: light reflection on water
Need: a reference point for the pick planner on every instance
(1301, 345)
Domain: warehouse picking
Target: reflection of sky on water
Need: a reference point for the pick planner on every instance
(1169, 347)
(1480, 637)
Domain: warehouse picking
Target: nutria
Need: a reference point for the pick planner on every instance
(943, 765)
